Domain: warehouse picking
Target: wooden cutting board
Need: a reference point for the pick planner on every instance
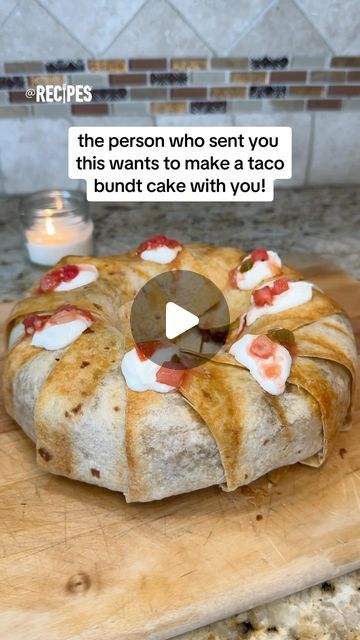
(77, 562)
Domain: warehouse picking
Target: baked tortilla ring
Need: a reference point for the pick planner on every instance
(219, 428)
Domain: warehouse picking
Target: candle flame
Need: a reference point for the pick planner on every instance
(49, 226)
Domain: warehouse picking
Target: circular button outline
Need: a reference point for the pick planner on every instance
(193, 292)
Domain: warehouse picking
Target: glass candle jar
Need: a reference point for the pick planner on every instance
(56, 223)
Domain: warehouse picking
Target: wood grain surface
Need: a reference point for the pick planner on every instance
(77, 562)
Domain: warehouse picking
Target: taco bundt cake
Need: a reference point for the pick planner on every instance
(100, 410)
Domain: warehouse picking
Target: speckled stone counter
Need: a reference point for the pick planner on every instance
(330, 611)
(325, 221)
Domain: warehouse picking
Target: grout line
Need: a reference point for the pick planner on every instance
(191, 27)
(57, 21)
(250, 26)
(127, 58)
(300, 8)
(310, 149)
(10, 14)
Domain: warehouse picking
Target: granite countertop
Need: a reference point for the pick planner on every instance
(323, 220)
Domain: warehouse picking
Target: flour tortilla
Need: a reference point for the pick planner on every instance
(220, 428)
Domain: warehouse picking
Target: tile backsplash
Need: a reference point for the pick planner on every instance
(187, 85)
(185, 62)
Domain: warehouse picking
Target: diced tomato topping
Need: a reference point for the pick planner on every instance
(233, 278)
(70, 271)
(65, 313)
(272, 370)
(51, 280)
(265, 295)
(157, 241)
(279, 286)
(34, 322)
(262, 296)
(259, 254)
(262, 347)
(171, 373)
(145, 350)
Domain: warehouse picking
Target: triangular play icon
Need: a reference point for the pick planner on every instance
(178, 320)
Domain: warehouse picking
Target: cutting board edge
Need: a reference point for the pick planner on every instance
(224, 610)
(239, 606)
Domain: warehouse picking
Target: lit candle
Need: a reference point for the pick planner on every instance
(62, 228)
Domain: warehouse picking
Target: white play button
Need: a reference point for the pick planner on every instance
(154, 319)
(178, 320)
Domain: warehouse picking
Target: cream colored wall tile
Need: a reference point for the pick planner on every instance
(336, 151)
(338, 21)
(115, 121)
(94, 80)
(208, 78)
(157, 30)
(30, 33)
(6, 6)
(131, 109)
(351, 105)
(220, 23)
(283, 30)
(131, 121)
(51, 110)
(309, 62)
(33, 154)
(14, 111)
(212, 120)
(97, 25)
(301, 126)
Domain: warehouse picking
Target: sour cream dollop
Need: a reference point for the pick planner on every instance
(159, 249)
(161, 255)
(58, 336)
(141, 374)
(87, 274)
(298, 293)
(68, 277)
(59, 330)
(268, 362)
(263, 264)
